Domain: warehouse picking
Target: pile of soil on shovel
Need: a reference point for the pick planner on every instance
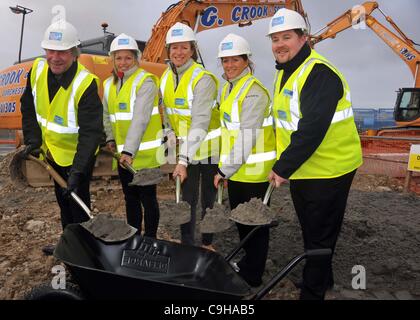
(175, 214)
(216, 219)
(253, 213)
(380, 232)
(146, 177)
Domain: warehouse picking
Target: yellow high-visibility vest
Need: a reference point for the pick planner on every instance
(340, 151)
(58, 119)
(178, 104)
(263, 155)
(120, 108)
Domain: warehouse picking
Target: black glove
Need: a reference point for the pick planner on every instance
(31, 149)
(73, 182)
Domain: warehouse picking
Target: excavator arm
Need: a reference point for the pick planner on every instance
(400, 44)
(203, 15)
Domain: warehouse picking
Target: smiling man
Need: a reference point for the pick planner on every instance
(62, 116)
(318, 147)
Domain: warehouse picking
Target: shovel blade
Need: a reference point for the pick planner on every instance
(109, 229)
(16, 169)
(215, 220)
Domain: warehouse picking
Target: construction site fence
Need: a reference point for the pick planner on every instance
(387, 155)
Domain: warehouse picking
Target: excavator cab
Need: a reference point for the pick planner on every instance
(407, 106)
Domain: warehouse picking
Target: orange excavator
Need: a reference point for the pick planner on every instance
(407, 106)
(201, 15)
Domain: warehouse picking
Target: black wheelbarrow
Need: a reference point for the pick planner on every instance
(149, 269)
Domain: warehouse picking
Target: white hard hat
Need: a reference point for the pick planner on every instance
(286, 19)
(234, 45)
(179, 32)
(124, 42)
(60, 36)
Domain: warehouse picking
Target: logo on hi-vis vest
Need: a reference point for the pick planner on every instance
(288, 93)
(282, 114)
(179, 101)
(122, 106)
(226, 116)
(59, 120)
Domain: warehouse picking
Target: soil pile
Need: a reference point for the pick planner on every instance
(252, 213)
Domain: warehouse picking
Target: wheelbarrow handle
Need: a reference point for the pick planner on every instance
(62, 183)
(249, 236)
(314, 253)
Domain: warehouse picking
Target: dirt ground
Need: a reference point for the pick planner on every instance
(380, 233)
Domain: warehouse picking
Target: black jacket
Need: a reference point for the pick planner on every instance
(318, 101)
(89, 117)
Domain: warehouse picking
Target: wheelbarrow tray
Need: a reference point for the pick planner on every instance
(146, 268)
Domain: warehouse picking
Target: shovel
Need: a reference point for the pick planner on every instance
(217, 218)
(143, 177)
(253, 212)
(175, 213)
(101, 226)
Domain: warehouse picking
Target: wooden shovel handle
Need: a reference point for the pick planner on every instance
(62, 183)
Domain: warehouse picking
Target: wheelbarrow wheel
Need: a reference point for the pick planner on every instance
(46, 292)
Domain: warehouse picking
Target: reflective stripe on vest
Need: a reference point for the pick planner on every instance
(294, 102)
(72, 126)
(144, 145)
(38, 71)
(255, 158)
(210, 135)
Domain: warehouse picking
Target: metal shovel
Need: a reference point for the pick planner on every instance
(143, 177)
(253, 213)
(216, 219)
(175, 213)
(102, 226)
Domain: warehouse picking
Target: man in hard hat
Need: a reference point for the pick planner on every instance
(318, 147)
(133, 128)
(62, 116)
(189, 94)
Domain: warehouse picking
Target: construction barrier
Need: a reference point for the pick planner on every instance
(387, 155)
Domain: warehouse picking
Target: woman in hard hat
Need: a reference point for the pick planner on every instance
(189, 95)
(248, 145)
(317, 142)
(133, 128)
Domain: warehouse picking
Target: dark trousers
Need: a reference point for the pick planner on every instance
(320, 206)
(70, 211)
(135, 197)
(190, 188)
(252, 265)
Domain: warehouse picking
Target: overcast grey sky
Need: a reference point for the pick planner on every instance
(372, 69)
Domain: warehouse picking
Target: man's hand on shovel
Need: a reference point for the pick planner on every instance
(276, 179)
